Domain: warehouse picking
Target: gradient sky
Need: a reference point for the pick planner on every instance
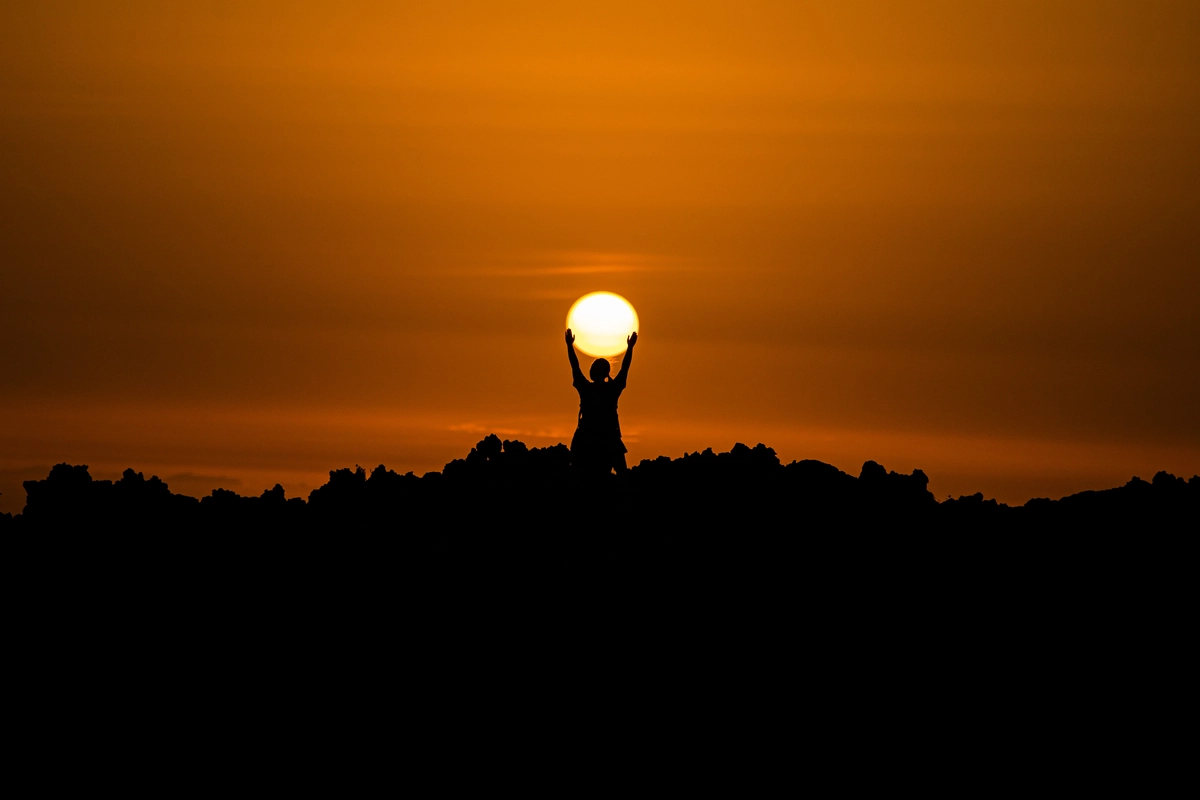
(241, 246)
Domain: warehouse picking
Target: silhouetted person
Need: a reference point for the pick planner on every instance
(596, 447)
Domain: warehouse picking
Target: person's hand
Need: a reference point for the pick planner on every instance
(570, 337)
(632, 340)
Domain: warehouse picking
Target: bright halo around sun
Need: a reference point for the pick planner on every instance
(601, 322)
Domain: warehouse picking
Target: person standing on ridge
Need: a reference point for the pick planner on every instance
(596, 447)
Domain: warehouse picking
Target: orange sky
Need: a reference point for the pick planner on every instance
(246, 246)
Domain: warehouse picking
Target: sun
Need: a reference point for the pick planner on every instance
(601, 322)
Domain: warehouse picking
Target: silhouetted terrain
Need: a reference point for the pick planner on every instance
(773, 586)
(506, 486)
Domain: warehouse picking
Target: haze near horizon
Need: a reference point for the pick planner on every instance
(247, 246)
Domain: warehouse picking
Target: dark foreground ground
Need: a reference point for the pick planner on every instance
(506, 486)
(716, 600)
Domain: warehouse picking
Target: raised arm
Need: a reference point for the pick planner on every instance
(623, 375)
(577, 378)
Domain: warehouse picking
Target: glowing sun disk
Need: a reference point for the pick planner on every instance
(601, 322)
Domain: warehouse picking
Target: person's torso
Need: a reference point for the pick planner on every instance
(598, 407)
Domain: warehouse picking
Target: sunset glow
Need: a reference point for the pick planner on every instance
(243, 243)
(602, 321)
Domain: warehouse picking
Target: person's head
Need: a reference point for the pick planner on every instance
(600, 369)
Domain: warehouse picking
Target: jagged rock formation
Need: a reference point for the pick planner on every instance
(507, 486)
